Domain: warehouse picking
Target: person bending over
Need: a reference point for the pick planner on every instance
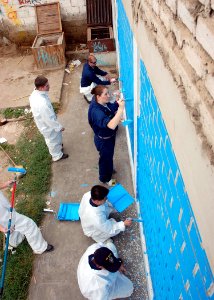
(21, 227)
(94, 213)
(100, 274)
(92, 76)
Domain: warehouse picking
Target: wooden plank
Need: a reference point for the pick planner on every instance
(50, 56)
(48, 18)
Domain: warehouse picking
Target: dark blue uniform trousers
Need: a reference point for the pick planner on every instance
(105, 147)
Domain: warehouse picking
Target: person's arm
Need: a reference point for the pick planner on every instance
(6, 184)
(95, 79)
(118, 116)
(109, 226)
(100, 72)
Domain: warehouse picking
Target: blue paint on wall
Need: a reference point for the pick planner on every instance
(173, 246)
(126, 67)
(178, 263)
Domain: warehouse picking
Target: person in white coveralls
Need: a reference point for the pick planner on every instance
(21, 227)
(100, 274)
(94, 213)
(45, 118)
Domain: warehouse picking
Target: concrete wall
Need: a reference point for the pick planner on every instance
(18, 20)
(174, 165)
(183, 95)
(183, 31)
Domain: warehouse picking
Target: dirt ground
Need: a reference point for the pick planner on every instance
(11, 132)
(17, 74)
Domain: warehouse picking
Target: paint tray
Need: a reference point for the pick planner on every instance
(68, 212)
(119, 198)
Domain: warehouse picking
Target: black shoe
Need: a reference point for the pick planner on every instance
(49, 248)
(86, 99)
(64, 156)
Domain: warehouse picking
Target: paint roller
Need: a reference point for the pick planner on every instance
(18, 170)
(20, 173)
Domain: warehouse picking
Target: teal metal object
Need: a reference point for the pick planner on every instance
(120, 198)
(68, 212)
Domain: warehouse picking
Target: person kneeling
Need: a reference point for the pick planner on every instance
(100, 274)
(94, 214)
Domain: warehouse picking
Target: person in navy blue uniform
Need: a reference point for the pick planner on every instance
(104, 118)
(92, 76)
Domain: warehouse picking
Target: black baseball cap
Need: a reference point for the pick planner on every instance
(105, 258)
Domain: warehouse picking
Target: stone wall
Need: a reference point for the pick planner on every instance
(183, 31)
(18, 20)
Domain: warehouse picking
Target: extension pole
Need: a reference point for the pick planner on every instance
(23, 171)
(7, 240)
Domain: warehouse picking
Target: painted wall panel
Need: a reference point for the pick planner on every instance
(178, 263)
(126, 67)
(174, 247)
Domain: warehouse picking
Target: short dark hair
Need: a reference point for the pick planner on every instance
(99, 192)
(40, 81)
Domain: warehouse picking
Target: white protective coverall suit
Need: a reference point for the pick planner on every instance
(95, 222)
(102, 284)
(46, 121)
(24, 227)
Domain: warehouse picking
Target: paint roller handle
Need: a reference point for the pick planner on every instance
(17, 170)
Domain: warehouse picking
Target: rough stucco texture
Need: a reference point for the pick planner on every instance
(183, 31)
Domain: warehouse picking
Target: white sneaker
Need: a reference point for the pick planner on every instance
(111, 182)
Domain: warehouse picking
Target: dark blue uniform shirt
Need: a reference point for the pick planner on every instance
(89, 76)
(99, 116)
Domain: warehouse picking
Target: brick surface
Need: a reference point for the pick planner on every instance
(204, 2)
(83, 10)
(209, 83)
(181, 69)
(75, 3)
(205, 34)
(195, 60)
(172, 5)
(156, 6)
(75, 10)
(207, 121)
(166, 16)
(186, 12)
(32, 12)
(81, 3)
(181, 32)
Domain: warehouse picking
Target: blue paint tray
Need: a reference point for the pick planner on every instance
(119, 198)
(68, 212)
